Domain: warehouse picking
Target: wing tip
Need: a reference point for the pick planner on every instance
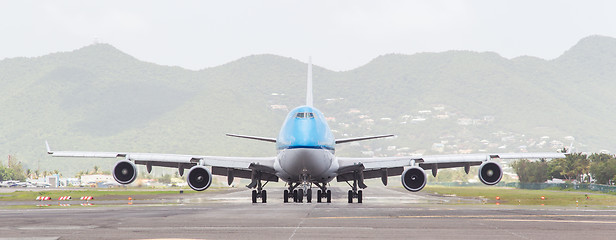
(48, 148)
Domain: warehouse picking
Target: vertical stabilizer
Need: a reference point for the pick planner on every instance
(309, 86)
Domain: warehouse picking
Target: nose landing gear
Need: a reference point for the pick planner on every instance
(306, 191)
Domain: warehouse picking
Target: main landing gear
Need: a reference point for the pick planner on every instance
(354, 192)
(259, 192)
(323, 193)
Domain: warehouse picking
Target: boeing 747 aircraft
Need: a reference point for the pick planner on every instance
(305, 160)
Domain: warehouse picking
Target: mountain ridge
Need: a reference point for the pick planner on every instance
(99, 98)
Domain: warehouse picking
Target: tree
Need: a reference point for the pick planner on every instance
(531, 172)
(80, 173)
(165, 178)
(603, 167)
(12, 172)
(554, 169)
(573, 167)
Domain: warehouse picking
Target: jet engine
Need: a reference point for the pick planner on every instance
(199, 178)
(124, 172)
(490, 173)
(414, 179)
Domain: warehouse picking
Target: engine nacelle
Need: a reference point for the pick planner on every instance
(124, 172)
(414, 179)
(199, 178)
(490, 173)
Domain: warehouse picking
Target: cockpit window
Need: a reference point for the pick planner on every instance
(304, 115)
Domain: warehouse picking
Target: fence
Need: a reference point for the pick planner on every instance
(538, 186)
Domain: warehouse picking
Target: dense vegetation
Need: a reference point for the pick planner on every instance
(98, 98)
(14, 171)
(580, 167)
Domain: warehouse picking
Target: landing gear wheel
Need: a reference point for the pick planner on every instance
(300, 196)
(285, 196)
(319, 196)
(295, 195)
(309, 195)
(254, 196)
(350, 195)
(329, 196)
(359, 196)
(263, 196)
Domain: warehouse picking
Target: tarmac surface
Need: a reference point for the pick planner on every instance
(387, 213)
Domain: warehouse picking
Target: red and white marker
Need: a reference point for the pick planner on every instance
(42, 198)
(64, 198)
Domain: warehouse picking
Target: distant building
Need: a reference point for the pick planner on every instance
(488, 118)
(96, 178)
(368, 121)
(70, 182)
(465, 121)
(438, 108)
(368, 153)
(438, 147)
(279, 107)
(53, 180)
(417, 120)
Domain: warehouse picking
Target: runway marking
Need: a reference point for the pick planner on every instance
(466, 216)
(298, 226)
(301, 222)
(235, 228)
(551, 220)
(56, 227)
(32, 238)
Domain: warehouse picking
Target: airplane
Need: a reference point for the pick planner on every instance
(305, 160)
(8, 184)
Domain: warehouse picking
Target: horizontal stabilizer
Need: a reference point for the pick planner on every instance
(346, 140)
(266, 139)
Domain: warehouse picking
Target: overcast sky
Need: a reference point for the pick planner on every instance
(339, 35)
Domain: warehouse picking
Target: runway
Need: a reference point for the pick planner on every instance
(387, 213)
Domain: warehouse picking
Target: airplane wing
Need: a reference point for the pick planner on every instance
(241, 167)
(392, 166)
(346, 140)
(266, 139)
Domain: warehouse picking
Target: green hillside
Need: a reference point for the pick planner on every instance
(100, 99)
